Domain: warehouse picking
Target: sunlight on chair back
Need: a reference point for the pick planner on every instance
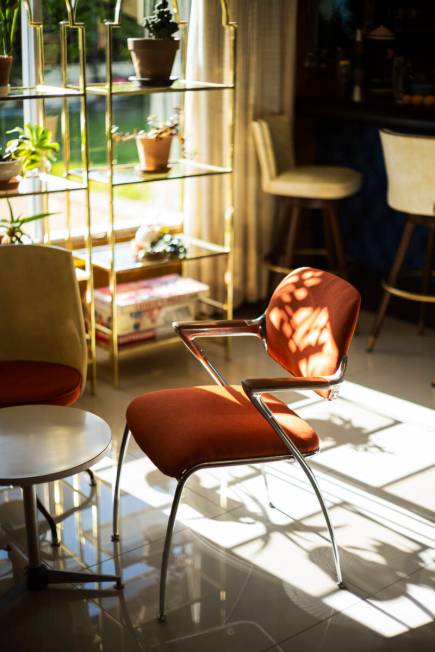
(410, 164)
(41, 315)
(310, 321)
(274, 144)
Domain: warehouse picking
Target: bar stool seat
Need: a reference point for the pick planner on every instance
(297, 188)
(410, 165)
(316, 182)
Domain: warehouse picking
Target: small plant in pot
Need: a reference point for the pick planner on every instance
(154, 57)
(11, 228)
(33, 147)
(154, 145)
(10, 168)
(9, 12)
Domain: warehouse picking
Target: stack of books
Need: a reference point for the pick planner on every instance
(146, 309)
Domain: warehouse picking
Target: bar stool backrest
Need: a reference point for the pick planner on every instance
(41, 316)
(273, 140)
(410, 164)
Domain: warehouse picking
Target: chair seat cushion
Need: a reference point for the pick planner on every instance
(180, 428)
(316, 182)
(30, 382)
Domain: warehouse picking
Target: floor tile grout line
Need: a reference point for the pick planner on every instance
(94, 599)
(160, 538)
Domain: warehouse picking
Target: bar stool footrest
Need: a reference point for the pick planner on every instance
(405, 294)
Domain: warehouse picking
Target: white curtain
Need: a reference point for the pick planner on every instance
(265, 73)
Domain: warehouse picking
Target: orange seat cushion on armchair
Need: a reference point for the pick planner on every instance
(29, 382)
(180, 428)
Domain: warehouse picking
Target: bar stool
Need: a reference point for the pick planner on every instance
(297, 188)
(410, 165)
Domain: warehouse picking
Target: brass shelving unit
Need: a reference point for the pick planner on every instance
(47, 184)
(115, 258)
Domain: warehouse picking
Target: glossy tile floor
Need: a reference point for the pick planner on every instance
(244, 576)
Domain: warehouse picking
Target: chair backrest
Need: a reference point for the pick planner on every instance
(41, 316)
(274, 144)
(310, 322)
(410, 164)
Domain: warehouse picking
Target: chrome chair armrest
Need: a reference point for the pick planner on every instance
(256, 386)
(191, 331)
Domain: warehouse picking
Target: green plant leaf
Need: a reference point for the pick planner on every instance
(34, 218)
(15, 130)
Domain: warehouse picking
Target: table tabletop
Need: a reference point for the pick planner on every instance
(40, 443)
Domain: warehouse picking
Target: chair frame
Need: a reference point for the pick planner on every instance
(189, 332)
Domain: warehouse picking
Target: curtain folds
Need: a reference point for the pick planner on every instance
(264, 72)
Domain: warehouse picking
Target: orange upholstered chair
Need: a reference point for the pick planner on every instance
(307, 329)
(43, 353)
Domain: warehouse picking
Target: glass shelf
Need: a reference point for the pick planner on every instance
(125, 260)
(17, 93)
(131, 88)
(124, 175)
(136, 347)
(42, 185)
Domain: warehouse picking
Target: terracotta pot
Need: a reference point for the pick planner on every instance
(5, 73)
(153, 153)
(51, 124)
(51, 49)
(153, 58)
(9, 169)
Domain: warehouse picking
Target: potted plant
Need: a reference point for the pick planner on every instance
(11, 230)
(10, 168)
(154, 145)
(153, 57)
(9, 11)
(33, 147)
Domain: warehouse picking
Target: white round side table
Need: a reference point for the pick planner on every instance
(41, 443)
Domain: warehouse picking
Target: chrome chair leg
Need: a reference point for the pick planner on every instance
(92, 480)
(312, 478)
(265, 411)
(266, 484)
(167, 545)
(55, 541)
(122, 452)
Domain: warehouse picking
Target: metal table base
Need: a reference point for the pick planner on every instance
(38, 574)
